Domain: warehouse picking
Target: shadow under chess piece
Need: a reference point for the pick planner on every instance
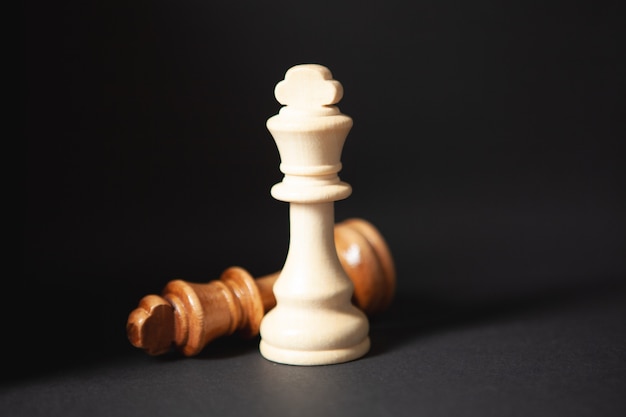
(187, 316)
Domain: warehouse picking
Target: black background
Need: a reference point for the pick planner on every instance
(486, 148)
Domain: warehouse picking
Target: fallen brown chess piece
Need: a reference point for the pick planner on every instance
(187, 316)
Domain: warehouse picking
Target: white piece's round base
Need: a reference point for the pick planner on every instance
(313, 358)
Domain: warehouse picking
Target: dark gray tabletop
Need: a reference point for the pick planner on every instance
(554, 354)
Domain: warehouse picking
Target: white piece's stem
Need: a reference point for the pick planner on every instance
(314, 321)
(312, 271)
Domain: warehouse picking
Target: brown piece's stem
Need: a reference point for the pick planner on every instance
(187, 316)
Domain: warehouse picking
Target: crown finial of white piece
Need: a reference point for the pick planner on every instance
(308, 86)
(314, 321)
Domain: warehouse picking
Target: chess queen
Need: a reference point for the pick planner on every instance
(314, 321)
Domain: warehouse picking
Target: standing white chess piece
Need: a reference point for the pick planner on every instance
(314, 321)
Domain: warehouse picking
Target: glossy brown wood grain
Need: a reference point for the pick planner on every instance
(187, 316)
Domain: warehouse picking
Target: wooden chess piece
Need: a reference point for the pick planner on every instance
(187, 316)
(314, 322)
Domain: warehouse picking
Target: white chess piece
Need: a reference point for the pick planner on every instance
(314, 321)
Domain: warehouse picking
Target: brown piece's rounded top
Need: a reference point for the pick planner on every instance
(151, 325)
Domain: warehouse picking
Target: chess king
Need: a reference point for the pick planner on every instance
(314, 321)
(189, 315)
